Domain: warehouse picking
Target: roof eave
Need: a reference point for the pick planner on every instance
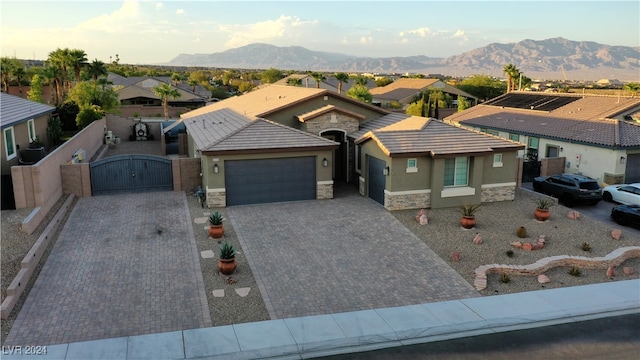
(268, 150)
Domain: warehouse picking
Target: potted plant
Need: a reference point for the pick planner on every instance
(542, 208)
(216, 229)
(468, 212)
(227, 261)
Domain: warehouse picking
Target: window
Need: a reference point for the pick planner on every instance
(456, 171)
(493, 132)
(32, 130)
(497, 160)
(514, 137)
(9, 143)
(533, 143)
(412, 165)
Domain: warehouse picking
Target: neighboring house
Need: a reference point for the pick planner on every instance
(405, 91)
(23, 122)
(137, 97)
(599, 136)
(283, 143)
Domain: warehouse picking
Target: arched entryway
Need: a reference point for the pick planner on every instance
(339, 158)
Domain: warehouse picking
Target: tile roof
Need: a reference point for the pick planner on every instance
(14, 109)
(377, 123)
(589, 119)
(422, 136)
(226, 130)
(404, 88)
(326, 109)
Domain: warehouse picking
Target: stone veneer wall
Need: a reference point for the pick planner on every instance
(407, 201)
(324, 191)
(325, 122)
(492, 193)
(216, 198)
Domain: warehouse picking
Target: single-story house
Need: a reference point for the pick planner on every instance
(24, 125)
(138, 99)
(283, 143)
(405, 90)
(422, 162)
(329, 83)
(598, 136)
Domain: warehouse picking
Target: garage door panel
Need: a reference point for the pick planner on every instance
(270, 180)
(632, 169)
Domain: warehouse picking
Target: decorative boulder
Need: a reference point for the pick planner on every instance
(455, 257)
(477, 240)
(627, 270)
(611, 272)
(573, 215)
(517, 244)
(422, 217)
(527, 247)
(616, 234)
(543, 279)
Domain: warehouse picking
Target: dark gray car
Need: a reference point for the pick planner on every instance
(570, 189)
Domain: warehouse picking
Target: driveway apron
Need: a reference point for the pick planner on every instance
(122, 265)
(345, 254)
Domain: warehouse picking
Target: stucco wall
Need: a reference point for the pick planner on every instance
(21, 138)
(122, 126)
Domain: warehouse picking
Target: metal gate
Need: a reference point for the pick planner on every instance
(131, 174)
(530, 169)
(377, 180)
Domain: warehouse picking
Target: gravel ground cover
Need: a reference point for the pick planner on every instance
(497, 223)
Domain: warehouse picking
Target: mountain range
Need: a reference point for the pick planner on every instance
(553, 59)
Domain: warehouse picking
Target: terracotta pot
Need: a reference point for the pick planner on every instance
(468, 222)
(227, 266)
(542, 214)
(216, 231)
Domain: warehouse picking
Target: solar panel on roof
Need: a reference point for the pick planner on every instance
(532, 102)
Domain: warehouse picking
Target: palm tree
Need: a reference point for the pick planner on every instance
(508, 70)
(52, 74)
(97, 69)
(342, 78)
(294, 81)
(77, 60)
(19, 74)
(6, 69)
(318, 77)
(193, 83)
(61, 60)
(175, 77)
(165, 91)
(362, 80)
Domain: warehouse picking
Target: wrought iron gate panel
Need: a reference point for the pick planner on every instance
(131, 173)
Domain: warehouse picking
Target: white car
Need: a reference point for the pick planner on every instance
(628, 194)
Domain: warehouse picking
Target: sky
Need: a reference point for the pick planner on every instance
(154, 32)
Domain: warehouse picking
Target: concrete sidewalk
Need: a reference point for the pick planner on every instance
(343, 333)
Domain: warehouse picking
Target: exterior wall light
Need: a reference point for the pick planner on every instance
(215, 168)
(385, 171)
(325, 162)
(622, 159)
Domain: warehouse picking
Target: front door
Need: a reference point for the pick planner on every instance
(377, 179)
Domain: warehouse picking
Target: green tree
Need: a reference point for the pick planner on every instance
(36, 91)
(383, 81)
(270, 76)
(166, 91)
(193, 83)
(417, 108)
(175, 77)
(88, 115)
(513, 74)
(7, 68)
(87, 94)
(632, 87)
(362, 80)
(54, 130)
(483, 87)
(68, 111)
(360, 92)
(342, 78)
(294, 81)
(463, 103)
(97, 69)
(77, 61)
(19, 74)
(318, 77)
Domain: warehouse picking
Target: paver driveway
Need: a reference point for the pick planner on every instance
(345, 254)
(122, 265)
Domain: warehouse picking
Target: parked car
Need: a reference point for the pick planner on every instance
(628, 194)
(626, 215)
(570, 189)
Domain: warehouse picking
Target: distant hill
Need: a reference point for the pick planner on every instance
(556, 58)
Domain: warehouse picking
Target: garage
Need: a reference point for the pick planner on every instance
(632, 170)
(377, 181)
(257, 181)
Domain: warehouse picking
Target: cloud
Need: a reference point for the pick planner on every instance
(115, 21)
(366, 40)
(159, 6)
(281, 30)
(180, 12)
(421, 32)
